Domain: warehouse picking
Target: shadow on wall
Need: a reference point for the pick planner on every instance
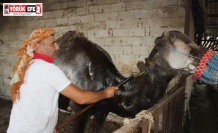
(1, 41)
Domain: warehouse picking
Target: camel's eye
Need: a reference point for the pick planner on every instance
(194, 52)
(171, 39)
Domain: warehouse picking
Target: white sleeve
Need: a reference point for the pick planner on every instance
(58, 80)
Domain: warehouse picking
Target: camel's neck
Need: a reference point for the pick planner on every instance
(165, 74)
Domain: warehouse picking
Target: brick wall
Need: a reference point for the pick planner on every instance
(125, 28)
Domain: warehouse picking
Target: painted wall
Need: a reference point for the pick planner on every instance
(125, 28)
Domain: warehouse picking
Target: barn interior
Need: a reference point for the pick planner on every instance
(204, 98)
(202, 116)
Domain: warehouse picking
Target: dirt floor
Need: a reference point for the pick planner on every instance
(112, 123)
(5, 109)
(203, 112)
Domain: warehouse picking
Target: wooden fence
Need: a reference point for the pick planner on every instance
(167, 115)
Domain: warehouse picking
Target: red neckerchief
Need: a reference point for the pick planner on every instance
(43, 57)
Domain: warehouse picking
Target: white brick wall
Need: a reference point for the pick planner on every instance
(125, 28)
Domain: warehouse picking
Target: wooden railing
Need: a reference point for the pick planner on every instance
(167, 114)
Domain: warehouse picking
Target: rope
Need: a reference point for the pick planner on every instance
(143, 114)
(207, 69)
(182, 53)
(147, 115)
(74, 117)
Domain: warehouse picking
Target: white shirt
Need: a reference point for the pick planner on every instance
(37, 109)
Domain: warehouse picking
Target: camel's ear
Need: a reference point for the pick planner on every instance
(149, 62)
(152, 78)
(172, 38)
(141, 66)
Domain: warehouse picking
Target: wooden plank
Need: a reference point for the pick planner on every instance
(182, 96)
(133, 125)
(144, 125)
(174, 114)
(156, 120)
(177, 108)
(164, 101)
(169, 117)
(128, 128)
(164, 122)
